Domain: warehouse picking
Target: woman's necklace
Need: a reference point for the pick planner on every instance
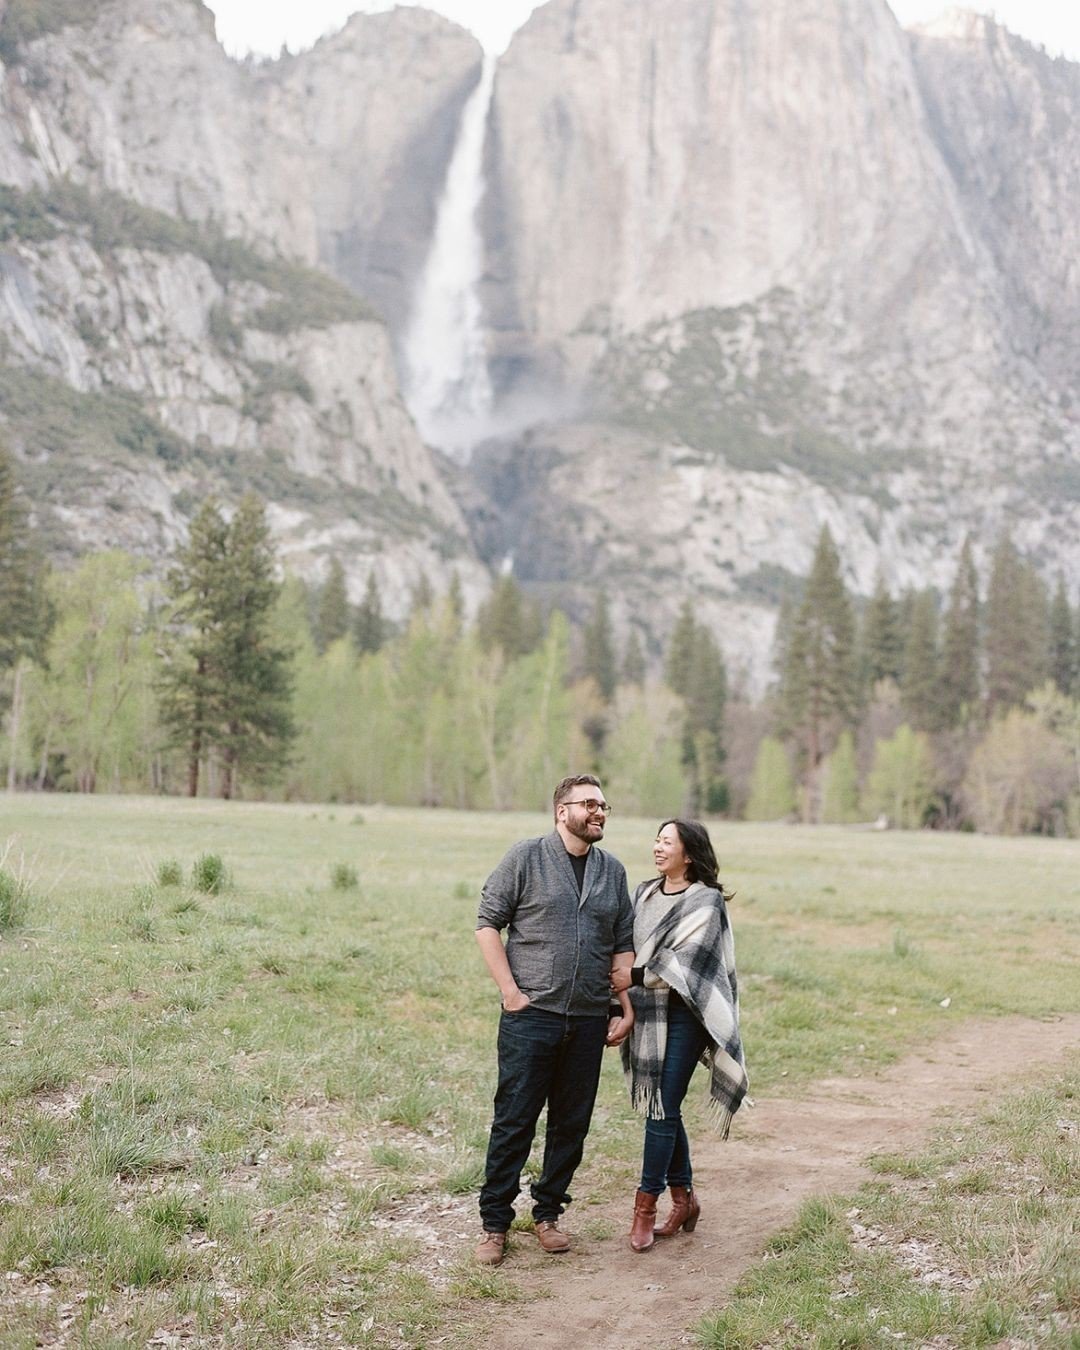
(679, 892)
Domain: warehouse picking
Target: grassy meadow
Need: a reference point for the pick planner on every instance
(255, 1113)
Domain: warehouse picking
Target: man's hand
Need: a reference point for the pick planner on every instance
(516, 1001)
(620, 979)
(618, 1028)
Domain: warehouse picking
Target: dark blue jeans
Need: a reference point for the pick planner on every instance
(543, 1057)
(667, 1149)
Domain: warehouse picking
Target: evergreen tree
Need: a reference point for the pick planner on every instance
(258, 728)
(227, 686)
(599, 654)
(959, 672)
(881, 642)
(680, 650)
(1016, 629)
(192, 690)
(507, 621)
(369, 630)
(332, 620)
(422, 595)
(819, 684)
(455, 602)
(1063, 641)
(25, 613)
(920, 683)
(696, 672)
(633, 663)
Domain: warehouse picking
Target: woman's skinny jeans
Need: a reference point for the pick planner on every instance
(667, 1149)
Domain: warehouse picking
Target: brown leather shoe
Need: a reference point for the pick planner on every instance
(491, 1249)
(684, 1212)
(641, 1233)
(550, 1237)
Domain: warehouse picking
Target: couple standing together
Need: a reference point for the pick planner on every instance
(575, 944)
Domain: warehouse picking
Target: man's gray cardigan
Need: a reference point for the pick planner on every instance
(560, 945)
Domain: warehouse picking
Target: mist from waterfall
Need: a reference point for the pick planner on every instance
(447, 384)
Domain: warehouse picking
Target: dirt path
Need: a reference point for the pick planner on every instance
(606, 1297)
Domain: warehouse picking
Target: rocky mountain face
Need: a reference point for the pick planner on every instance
(750, 268)
(798, 267)
(164, 330)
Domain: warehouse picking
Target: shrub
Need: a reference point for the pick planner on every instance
(13, 901)
(208, 874)
(169, 873)
(343, 877)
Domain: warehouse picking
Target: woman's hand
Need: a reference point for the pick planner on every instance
(618, 1029)
(515, 1002)
(620, 979)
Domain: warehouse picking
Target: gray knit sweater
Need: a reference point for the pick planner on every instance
(559, 945)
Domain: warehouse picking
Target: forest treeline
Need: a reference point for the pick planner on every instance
(958, 712)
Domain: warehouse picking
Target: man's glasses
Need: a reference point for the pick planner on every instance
(591, 805)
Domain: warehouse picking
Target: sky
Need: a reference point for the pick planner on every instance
(262, 26)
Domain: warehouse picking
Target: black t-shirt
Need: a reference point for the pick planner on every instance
(577, 862)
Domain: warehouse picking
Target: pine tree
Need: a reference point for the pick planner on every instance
(226, 686)
(633, 662)
(958, 691)
(25, 613)
(422, 595)
(920, 683)
(599, 653)
(1063, 641)
(258, 727)
(1017, 628)
(819, 685)
(332, 621)
(696, 672)
(369, 630)
(881, 642)
(192, 687)
(506, 620)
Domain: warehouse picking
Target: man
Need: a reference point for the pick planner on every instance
(567, 909)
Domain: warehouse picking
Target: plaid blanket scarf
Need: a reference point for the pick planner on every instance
(692, 951)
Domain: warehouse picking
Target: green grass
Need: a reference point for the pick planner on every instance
(210, 1103)
(973, 1242)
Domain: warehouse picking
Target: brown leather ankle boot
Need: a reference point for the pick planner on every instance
(684, 1212)
(641, 1234)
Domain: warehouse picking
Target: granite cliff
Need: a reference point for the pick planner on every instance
(797, 266)
(749, 269)
(168, 222)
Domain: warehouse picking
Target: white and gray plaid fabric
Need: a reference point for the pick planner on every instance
(692, 951)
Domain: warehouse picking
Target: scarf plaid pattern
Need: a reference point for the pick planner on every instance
(692, 951)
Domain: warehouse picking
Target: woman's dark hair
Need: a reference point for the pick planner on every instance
(701, 858)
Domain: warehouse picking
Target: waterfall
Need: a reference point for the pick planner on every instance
(448, 388)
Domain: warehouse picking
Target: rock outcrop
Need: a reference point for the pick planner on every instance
(779, 255)
(162, 335)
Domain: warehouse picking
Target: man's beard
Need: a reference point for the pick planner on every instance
(585, 830)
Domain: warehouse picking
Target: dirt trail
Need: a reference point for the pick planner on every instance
(606, 1297)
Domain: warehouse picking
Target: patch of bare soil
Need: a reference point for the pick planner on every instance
(606, 1297)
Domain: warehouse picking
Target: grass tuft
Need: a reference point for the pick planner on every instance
(169, 873)
(209, 874)
(14, 901)
(344, 877)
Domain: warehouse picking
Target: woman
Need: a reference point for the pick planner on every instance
(685, 998)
